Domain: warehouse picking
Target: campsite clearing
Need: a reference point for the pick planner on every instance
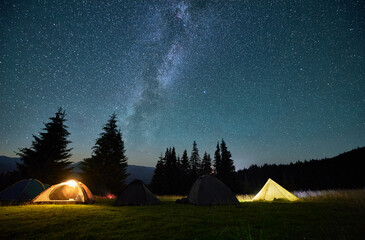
(339, 218)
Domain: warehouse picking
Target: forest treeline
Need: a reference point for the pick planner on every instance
(344, 171)
(47, 159)
(174, 175)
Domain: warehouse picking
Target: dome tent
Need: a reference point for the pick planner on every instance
(66, 192)
(23, 190)
(136, 193)
(208, 190)
(272, 191)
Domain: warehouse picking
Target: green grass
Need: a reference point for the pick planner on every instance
(339, 217)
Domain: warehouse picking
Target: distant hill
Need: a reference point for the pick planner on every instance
(8, 163)
(140, 172)
(344, 171)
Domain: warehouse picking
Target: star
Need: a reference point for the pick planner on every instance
(267, 79)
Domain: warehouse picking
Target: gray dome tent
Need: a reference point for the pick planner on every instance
(136, 193)
(208, 190)
(23, 190)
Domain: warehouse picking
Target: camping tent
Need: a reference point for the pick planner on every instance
(272, 191)
(136, 193)
(208, 190)
(66, 192)
(23, 190)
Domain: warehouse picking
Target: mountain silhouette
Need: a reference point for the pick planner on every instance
(140, 172)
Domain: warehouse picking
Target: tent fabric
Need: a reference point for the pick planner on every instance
(272, 191)
(208, 190)
(23, 190)
(66, 192)
(136, 193)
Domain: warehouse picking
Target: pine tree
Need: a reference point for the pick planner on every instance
(217, 159)
(226, 171)
(226, 160)
(206, 167)
(178, 163)
(185, 173)
(158, 179)
(194, 162)
(47, 158)
(106, 170)
(185, 167)
(171, 172)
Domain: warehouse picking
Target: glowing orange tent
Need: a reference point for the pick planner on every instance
(66, 192)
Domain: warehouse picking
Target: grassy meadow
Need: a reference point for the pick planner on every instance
(332, 215)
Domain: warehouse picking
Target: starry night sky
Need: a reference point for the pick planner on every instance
(280, 81)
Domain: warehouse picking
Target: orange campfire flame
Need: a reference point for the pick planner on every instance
(110, 196)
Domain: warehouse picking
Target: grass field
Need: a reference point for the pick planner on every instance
(334, 215)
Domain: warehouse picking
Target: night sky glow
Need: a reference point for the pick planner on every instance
(280, 81)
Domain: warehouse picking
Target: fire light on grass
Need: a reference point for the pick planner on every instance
(245, 198)
(170, 198)
(355, 195)
(110, 196)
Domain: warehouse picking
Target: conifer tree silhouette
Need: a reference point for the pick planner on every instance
(158, 180)
(225, 169)
(106, 169)
(206, 166)
(47, 158)
(194, 162)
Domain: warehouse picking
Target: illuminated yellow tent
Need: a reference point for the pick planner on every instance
(65, 192)
(272, 191)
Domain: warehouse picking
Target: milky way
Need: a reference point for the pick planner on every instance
(160, 58)
(279, 81)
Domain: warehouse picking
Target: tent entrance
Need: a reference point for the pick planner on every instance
(64, 192)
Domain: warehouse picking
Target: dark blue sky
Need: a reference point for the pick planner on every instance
(280, 81)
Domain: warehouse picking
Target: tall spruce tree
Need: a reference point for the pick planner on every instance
(206, 166)
(158, 180)
(217, 159)
(178, 161)
(226, 171)
(194, 162)
(185, 173)
(171, 172)
(47, 158)
(185, 166)
(106, 170)
(226, 163)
